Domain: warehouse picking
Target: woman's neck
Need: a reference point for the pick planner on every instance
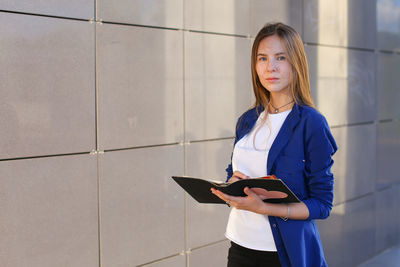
(280, 102)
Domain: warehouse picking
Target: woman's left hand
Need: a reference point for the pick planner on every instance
(251, 203)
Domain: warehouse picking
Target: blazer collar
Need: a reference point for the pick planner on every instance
(284, 135)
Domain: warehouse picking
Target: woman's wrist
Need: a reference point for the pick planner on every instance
(278, 210)
(287, 214)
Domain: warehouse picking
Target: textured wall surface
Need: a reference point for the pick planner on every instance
(102, 101)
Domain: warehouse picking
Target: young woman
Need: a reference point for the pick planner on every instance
(282, 135)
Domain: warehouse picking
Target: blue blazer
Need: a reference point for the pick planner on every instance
(301, 156)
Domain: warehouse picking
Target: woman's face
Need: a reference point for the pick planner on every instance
(273, 68)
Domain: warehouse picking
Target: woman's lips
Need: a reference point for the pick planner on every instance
(272, 79)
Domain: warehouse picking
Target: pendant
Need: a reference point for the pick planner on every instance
(276, 110)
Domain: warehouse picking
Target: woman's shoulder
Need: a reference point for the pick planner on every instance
(247, 120)
(251, 114)
(312, 116)
(316, 126)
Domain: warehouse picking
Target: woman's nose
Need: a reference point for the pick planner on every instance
(271, 66)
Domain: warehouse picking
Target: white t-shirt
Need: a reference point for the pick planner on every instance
(246, 228)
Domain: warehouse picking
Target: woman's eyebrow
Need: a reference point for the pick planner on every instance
(276, 54)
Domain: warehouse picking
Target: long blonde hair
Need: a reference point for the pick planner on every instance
(300, 83)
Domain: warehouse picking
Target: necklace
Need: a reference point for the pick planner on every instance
(276, 110)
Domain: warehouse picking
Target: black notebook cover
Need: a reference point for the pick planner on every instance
(199, 189)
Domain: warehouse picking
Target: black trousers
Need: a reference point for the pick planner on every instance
(239, 256)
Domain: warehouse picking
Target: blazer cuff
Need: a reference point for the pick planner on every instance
(316, 209)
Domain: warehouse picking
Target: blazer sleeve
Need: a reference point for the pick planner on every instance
(319, 149)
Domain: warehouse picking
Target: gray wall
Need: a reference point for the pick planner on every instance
(101, 101)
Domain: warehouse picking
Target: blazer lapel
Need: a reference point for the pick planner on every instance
(283, 136)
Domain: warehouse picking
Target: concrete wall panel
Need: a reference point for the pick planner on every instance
(223, 16)
(348, 235)
(387, 206)
(286, 11)
(354, 175)
(49, 212)
(214, 255)
(161, 13)
(217, 84)
(47, 88)
(140, 86)
(340, 23)
(206, 223)
(388, 87)
(388, 154)
(82, 9)
(343, 84)
(141, 207)
(388, 26)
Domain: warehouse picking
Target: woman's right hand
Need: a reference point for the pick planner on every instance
(237, 175)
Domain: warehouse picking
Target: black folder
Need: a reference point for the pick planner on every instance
(200, 189)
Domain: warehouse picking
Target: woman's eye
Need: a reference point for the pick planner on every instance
(262, 59)
(281, 58)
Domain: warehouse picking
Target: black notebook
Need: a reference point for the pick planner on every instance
(269, 188)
